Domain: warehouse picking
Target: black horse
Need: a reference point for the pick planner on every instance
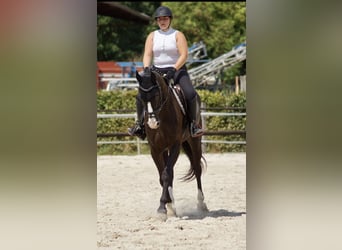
(167, 132)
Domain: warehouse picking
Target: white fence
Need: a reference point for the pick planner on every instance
(139, 142)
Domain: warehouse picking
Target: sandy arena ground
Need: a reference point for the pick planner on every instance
(128, 197)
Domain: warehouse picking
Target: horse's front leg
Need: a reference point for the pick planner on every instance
(167, 179)
(160, 159)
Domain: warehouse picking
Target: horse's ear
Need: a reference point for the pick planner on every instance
(138, 76)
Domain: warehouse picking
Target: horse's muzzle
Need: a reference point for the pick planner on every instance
(152, 122)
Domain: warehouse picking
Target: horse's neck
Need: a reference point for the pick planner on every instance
(166, 95)
(164, 88)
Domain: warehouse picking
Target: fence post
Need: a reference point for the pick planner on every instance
(138, 145)
(236, 85)
(203, 107)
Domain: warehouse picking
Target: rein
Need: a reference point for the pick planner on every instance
(163, 103)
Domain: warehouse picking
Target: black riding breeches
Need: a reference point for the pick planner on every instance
(183, 79)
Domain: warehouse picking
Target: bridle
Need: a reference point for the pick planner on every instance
(150, 93)
(163, 99)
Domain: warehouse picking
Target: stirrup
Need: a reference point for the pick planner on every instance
(137, 130)
(196, 130)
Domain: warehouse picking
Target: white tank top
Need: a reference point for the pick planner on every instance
(165, 52)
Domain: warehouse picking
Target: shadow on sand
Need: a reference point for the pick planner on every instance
(198, 214)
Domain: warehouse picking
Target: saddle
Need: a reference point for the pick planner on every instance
(179, 94)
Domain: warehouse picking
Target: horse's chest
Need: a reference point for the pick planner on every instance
(163, 139)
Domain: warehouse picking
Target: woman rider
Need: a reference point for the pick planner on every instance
(169, 50)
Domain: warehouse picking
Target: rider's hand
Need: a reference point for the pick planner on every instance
(170, 74)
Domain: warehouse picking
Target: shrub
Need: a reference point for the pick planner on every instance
(117, 101)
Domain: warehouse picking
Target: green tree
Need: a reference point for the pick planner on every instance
(220, 25)
(122, 40)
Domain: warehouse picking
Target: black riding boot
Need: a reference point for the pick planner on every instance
(194, 116)
(139, 128)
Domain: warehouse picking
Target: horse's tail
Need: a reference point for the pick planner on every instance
(197, 162)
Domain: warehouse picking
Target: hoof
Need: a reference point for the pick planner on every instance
(161, 210)
(202, 207)
(161, 217)
(171, 210)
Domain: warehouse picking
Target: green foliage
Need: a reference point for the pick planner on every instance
(220, 25)
(223, 123)
(114, 101)
(122, 40)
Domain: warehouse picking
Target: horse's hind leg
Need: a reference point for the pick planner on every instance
(200, 197)
(195, 156)
(171, 207)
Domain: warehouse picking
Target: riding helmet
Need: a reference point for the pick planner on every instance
(163, 11)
